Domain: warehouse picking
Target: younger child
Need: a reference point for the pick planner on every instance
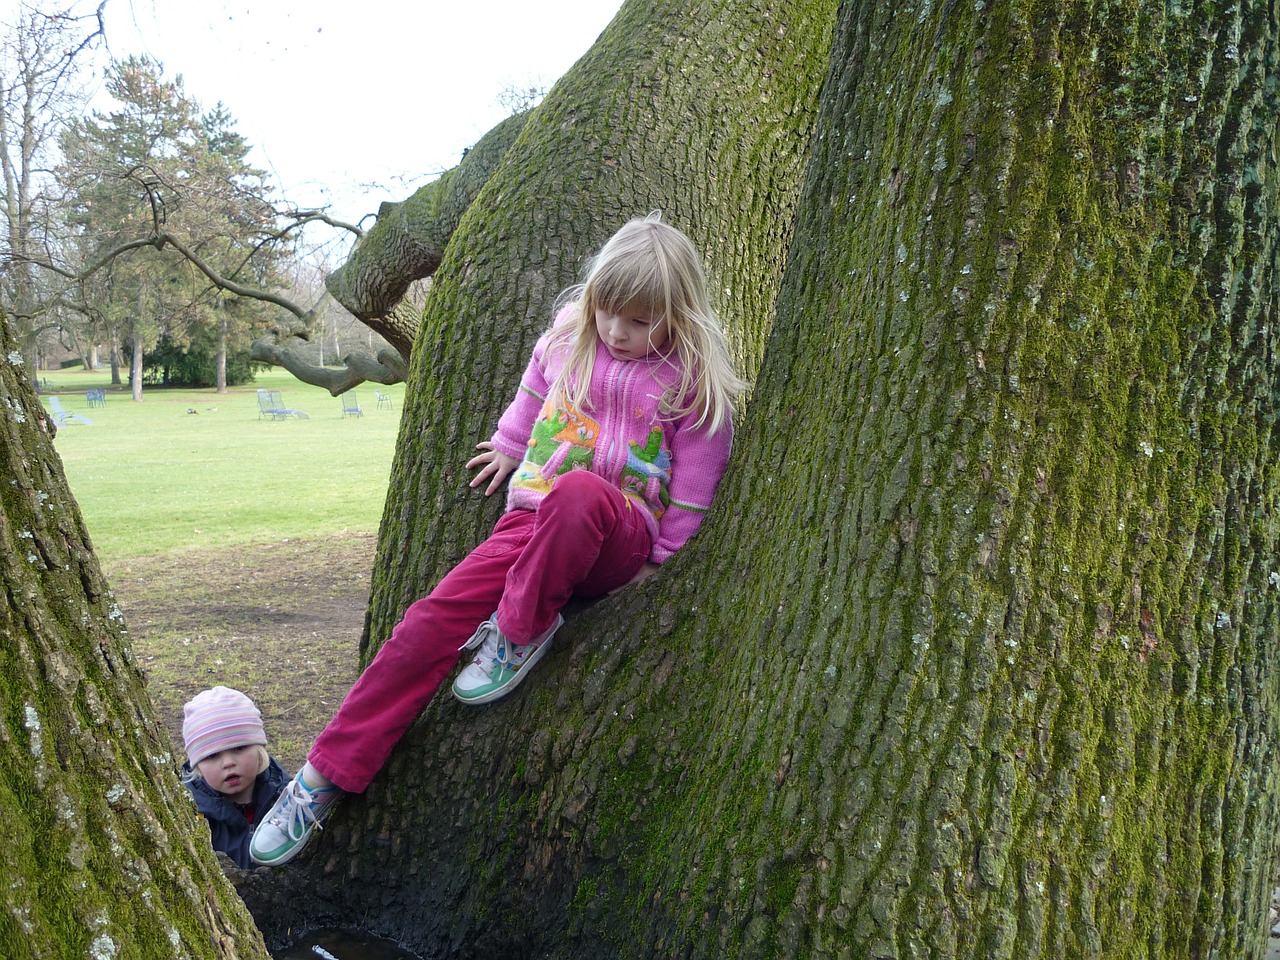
(228, 770)
(614, 445)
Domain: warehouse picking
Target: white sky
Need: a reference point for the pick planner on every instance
(352, 102)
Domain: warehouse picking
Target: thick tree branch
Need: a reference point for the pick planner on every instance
(389, 367)
(229, 285)
(408, 241)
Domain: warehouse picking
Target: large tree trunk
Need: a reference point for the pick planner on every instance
(103, 855)
(705, 113)
(31, 354)
(631, 128)
(1001, 539)
(977, 654)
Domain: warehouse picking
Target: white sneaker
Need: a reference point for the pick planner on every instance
(296, 815)
(500, 664)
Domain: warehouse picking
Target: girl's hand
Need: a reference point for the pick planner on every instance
(648, 570)
(494, 467)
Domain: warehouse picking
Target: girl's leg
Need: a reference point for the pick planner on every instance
(411, 665)
(587, 539)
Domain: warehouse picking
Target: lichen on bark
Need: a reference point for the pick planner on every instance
(104, 856)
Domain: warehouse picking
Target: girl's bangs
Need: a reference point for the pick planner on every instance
(628, 289)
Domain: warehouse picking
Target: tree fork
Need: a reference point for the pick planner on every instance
(629, 129)
(977, 653)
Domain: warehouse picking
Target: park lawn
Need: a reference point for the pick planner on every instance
(186, 468)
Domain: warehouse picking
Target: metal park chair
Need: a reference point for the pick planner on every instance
(271, 405)
(267, 407)
(65, 416)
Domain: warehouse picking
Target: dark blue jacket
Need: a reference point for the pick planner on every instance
(231, 831)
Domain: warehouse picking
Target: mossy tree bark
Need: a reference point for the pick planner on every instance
(977, 654)
(104, 856)
(704, 114)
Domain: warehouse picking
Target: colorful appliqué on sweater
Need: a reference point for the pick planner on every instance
(561, 440)
(665, 466)
(648, 472)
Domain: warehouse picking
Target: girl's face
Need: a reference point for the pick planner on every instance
(630, 335)
(232, 772)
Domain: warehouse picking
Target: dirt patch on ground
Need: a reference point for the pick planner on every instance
(280, 621)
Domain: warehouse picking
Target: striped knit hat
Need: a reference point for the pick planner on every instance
(218, 720)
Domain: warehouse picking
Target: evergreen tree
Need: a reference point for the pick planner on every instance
(166, 195)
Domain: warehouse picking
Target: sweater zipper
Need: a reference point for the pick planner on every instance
(619, 374)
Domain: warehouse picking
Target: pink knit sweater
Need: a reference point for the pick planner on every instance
(664, 466)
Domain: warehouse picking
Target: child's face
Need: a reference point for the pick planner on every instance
(629, 335)
(232, 772)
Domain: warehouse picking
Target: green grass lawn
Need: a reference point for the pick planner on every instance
(189, 468)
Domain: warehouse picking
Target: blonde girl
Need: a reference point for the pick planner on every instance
(611, 453)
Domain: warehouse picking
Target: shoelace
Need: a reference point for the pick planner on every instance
(296, 811)
(492, 644)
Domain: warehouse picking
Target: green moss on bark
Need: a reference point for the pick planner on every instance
(976, 653)
(104, 856)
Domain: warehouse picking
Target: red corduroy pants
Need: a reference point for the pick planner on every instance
(584, 540)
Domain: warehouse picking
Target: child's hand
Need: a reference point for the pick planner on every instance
(494, 467)
(648, 570)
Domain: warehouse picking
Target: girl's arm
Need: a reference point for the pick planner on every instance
(511, 439)
(503, 452)
(698, 461)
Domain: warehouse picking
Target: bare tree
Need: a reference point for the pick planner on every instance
(40, 90)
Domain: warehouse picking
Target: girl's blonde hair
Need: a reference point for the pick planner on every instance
(651, 268)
